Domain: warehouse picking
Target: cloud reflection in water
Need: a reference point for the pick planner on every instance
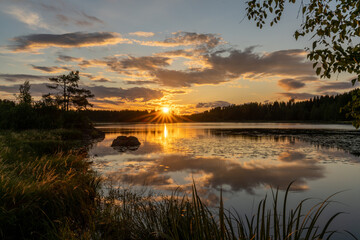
(174, 155)
(215, 172)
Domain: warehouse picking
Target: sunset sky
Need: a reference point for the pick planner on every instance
(141, 54)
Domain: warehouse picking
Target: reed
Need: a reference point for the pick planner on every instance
(127, 215)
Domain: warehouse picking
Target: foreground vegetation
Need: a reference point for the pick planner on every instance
(42, 189)
(48, 193)
(126, 215)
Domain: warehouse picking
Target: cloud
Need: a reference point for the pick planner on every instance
(180, 53)
(175, 91)
(92, 63)
(236, 63)
(91, 18)
(178, 78)
(95, 78)
(67, 40)
(186, 39)
(65, 58)
(129, 65)
(32, 19)
(213, 104)
(130, 94)
(216, 67)
(101, 92)
(142, 34)
(137, 63)
(62, 18)
(290, 84)
(99, 103)
(139, 82)
(206, 66)
(328, 86)
(73, 16)
(52, 69)
(284, 62)
(298, 96)
(101, 79)
(84, 21)
(22, 77)
(307, 78)
(48, 7)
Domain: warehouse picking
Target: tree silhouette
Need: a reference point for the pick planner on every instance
(24, 95)
(68, 92)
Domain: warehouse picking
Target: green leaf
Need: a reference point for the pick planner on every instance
(318, 70)
(314, 44)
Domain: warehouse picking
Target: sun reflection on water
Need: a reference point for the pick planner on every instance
(165, 131)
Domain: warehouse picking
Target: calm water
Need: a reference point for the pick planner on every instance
(246, 164)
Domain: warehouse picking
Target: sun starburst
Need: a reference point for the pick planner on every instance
(165, 110)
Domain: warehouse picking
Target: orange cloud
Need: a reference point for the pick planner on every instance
(142, 34)
(67, 40)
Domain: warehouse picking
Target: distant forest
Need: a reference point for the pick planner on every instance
(323, 108)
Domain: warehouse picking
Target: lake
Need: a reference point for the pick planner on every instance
(246, 160)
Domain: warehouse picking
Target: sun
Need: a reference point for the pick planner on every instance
(165, 110)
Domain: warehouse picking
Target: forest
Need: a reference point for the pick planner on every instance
(322, 108)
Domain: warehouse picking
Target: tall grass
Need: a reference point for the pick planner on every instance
(126, 215)
(39, 193)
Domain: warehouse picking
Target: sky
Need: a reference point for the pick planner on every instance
(188, 55)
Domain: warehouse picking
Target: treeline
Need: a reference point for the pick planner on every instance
(54, 110)
(323, 108)
(21, 116)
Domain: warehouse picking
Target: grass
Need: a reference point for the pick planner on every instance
(57, 196)
(126, 215)
(40, 192)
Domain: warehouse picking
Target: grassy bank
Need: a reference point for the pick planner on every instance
(44, 184)
(48, 191)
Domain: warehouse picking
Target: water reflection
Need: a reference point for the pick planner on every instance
(165, 131)
(243, 162)
(173, 155)
(211, 172)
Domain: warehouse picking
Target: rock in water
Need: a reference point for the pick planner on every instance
(123, 141)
